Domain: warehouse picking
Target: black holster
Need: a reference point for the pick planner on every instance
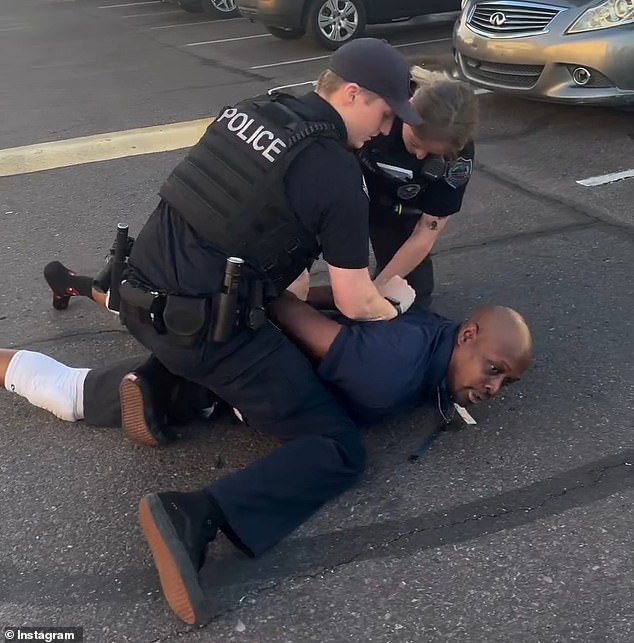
(191, 321)
(256, 314)
(142, 305)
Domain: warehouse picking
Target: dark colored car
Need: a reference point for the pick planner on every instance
(216, 8)
(333, 22)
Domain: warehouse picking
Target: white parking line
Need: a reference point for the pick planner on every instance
(18, 28)
(304, 60)
(151, 15)
(306, 82)
(129, 4)
(189, 24)
(606, 178)
(215, 42)
(422, 42)
(289, 62)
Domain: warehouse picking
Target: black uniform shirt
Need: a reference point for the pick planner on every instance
(440, 198)
(325, 189)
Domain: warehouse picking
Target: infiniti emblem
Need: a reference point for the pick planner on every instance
(497, 19)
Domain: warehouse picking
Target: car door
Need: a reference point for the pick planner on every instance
(413, 8)
(386, 10)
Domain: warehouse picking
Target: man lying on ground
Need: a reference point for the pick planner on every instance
(378, 370)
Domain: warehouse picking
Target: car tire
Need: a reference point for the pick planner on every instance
(333, 36)
(190, 7)
(286, 34)
(220, 8)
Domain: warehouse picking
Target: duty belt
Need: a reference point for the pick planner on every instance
(192, 321)
(144, 305)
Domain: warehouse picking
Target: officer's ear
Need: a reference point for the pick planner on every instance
(351, 91)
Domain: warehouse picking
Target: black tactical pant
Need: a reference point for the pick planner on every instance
(102, 406)
(276, 389)
(101, 392)
(386, 239)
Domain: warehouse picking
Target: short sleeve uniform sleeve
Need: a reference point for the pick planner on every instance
(325, 188)
(377, 368)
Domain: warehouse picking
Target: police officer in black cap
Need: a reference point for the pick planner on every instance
(271, 184)
(417, 176)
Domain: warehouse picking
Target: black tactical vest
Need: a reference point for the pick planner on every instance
(230, 187)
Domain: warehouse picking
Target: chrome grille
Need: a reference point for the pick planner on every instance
(499, 74)
(509, 19)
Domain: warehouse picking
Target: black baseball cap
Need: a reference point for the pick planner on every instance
(376, 66)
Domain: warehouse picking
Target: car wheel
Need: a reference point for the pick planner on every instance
(190, 7)
(286, 34)
(334, 22)
(220, 8)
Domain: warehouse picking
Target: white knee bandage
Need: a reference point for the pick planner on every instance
(48, 384)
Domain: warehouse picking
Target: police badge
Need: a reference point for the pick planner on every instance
(408, 191)
(458, 172)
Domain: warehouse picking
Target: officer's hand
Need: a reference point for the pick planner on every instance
(300, 286)
(398, 289)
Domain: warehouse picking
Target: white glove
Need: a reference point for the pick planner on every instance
(397, 289)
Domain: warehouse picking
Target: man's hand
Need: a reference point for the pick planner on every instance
(399, 290)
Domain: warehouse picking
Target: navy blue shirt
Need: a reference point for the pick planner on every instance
(380, 369)
(439, 198)
(324, 187)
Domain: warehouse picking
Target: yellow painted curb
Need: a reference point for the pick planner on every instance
(101, 147)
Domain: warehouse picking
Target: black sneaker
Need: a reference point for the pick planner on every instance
(65, 284)
(178, 528)
(142, 410)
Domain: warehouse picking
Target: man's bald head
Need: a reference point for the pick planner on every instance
(493, 348)
(507, 327)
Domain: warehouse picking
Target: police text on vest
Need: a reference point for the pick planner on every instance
(255, 135)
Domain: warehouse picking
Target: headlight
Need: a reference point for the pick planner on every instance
(610, 13)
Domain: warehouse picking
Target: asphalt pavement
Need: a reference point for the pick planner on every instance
(519, 529)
